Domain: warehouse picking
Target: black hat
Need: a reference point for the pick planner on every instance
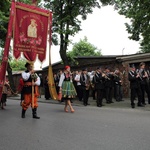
(107, 68)
(98, 68)
(132, 66)
(28, 64)
(84, 69)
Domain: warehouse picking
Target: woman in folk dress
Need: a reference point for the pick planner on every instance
(67, 88)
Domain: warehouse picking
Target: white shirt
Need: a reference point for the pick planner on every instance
(26, 76)
(77, 79)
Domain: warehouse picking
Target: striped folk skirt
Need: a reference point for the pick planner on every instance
(68, 90)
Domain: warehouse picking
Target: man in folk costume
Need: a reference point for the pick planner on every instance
(30, 89)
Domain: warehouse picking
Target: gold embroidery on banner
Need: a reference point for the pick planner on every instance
(35, 11)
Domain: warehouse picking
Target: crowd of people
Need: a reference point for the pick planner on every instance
(100, 84)
(107, 84)
(139, 84)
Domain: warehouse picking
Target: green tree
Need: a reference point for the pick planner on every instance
(66, 20)
(4, 16)
(18, 65)
(138, 11)
(82, 48)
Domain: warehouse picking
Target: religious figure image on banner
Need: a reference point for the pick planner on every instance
(32, 29)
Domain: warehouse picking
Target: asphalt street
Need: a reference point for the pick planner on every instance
(89, 128)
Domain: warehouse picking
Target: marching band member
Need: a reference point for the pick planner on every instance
(79, 87)
(85, 85)
(108, 85)
(143, 83)
(98, 80)
(134, 78)
(117, 85)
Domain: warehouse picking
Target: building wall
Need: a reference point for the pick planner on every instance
(91, 63)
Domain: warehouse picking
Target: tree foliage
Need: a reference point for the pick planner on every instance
(138, 11)
(18, 65)
(4, 16)
(66, 20)
(82, 48)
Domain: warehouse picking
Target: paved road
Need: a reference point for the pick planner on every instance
(89, 128)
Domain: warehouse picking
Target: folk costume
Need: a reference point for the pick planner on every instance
(67, 88)
(30, 79)
(6, 87)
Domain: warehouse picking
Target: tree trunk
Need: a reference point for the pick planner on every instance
(63, 45)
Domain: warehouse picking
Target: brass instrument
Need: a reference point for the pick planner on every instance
(139, 74)
(146, 75)
(114, 74)
(88, 83)
(87, 87)
(105, 76)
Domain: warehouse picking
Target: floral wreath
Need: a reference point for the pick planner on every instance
(31, 41)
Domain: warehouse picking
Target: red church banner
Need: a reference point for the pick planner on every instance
(30, 31)
(4, 63)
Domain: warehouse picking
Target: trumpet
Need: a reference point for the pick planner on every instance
(114, 74)
(105, 76)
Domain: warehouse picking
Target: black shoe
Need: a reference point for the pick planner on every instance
(140, 105)
(132, 106)
(23, 113)
(99, 105)
(35, 114)
(111, 102)
(121, 100)
(85, 104)
(88, 104)
(36, 117)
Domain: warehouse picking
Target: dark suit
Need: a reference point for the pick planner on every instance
(135, 87)
(117, 88)
(99, 87)
(84, 80)
(144, 84)
(108, 87)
